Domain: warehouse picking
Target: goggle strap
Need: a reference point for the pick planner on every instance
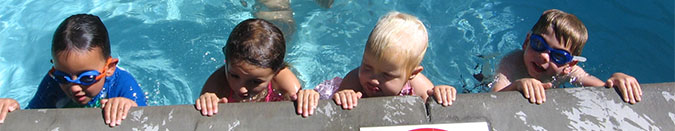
(579, 58)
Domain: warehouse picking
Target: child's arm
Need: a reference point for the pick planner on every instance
(287, 82)
(583, 78)
(423, 87)
(628, 86)
(349, 92)
(212, 92)
(126, 93)
(512, 75)
(306, 99)
(510, 68)
(7, 105)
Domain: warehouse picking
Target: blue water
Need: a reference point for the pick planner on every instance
(172, 46)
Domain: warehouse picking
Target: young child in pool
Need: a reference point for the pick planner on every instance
(550, 53)
(391, 64)
(254, 71)
(84, 74)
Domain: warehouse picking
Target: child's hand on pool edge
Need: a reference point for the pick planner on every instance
(207, 103)
(629, 87)
(348, 99)
(532, 89)
(7, 105)
(116, 109)
(444, 94)
(307, 101)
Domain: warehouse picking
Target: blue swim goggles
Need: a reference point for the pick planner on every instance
(85, 78)
(558, 56)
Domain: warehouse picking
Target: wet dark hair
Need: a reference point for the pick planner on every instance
(257, 42)
(81, 32)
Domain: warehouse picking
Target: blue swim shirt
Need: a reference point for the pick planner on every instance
(120, 84)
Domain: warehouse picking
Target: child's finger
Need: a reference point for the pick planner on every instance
(198, 104)
(638, 92)
(120, 112)
(344, 100)
(300, 101)
(208, 106)
(3, 112)
(542, 92)
(349, 100)
(315, 102)
(624, 92)
(223, 100)
(631, 95)
(437, 94)
(454, 94)
(305, 105)
(113, 112)
(526, 92)
(205, 108)
(126, 111)
(214, 101)
(103, 102)
(547, 85)
(358, 95)
(530, 92)
(444, 97)
(355, 99)
(337, 99)
(533, 92)
(448, 99)
(211, 106)
(609, 83)
(14, 106)
(537, 93)
(106, 113)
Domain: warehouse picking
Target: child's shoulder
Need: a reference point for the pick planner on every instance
(216, 83)
(351, 80)
(122, 77)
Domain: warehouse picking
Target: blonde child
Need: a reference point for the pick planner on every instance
(254, 71)
(549, 57)
(391, 64)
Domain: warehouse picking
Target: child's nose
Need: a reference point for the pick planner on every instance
(374, 82)
(543, 56)
(75, 87)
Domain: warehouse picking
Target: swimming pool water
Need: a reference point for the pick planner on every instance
(172, 46)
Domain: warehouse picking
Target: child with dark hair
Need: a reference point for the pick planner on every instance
(84, 74)
(254, 71)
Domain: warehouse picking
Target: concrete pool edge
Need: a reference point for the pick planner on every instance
(586, 108)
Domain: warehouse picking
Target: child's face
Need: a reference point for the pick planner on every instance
(247, 80)
(539, 64)
(381, 77)
(73, 63)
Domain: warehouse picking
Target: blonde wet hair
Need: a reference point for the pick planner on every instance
(569, 30)
(399, 37)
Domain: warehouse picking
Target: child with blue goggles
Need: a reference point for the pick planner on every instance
(548, 59)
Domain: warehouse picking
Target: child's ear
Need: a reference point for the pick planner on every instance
(569, 67)
(527, 40)
(110, 69)
(415, 71)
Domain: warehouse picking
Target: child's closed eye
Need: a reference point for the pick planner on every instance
(255, 82)
(233, 75)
